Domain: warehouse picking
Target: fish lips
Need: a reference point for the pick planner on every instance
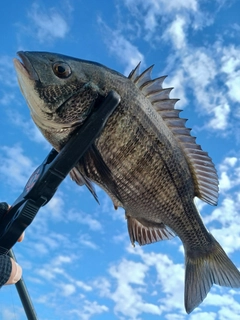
(25, 66)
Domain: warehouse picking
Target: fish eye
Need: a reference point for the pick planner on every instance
(61, 70)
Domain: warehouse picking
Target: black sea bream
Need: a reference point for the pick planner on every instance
(145, 159)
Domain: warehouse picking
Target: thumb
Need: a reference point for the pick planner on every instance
(15, 274)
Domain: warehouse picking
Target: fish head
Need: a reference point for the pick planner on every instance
(51, 84)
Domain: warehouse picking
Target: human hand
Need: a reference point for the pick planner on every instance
(10, 271)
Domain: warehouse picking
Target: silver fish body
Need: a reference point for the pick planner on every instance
(145, 158)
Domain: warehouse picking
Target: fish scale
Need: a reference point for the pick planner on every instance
(164, 196)
(145, 159)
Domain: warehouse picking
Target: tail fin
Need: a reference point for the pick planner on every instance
(203, 269)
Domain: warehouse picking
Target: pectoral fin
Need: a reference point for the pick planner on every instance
(81, 180)
(145, 232)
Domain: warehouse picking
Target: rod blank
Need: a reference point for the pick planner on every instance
(24, 295)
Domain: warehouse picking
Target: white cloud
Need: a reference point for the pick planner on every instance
(89, 309)
(233, 84)
(177, 33)
(170, 276)
(229, 161)
(203, 316)
(221, 115)
(228, 207)
(85, 240)
(126, 267)
(49, 274)
(55, 207)
(7, 98)
(61, 260)
(28, 127)
(40, 248)
(122, 48)
(199, 204)
(128, 54)
(224, 182)
(177, 80)
(127, 289)
(128, 299)
(84, 218)
(83, 286)
(151, 11)
(7, 72)
(228, 307)
(48, 25)
(198, 68)
(8, 314)
(55, 268)
(231, 67)
(226, 215)
(15, 166)
(229, 173)
(67, 289)
(131, 284)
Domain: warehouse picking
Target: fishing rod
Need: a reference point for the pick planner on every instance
(24, 295)
(44, 182)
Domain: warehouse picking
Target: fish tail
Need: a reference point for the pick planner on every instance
(205, 267)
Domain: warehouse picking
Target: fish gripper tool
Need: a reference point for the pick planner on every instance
(45, 180)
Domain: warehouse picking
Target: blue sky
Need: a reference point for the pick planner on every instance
(77, 259)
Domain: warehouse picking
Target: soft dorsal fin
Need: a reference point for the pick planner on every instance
(200, 164)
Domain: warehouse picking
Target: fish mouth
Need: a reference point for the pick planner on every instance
(25, 66)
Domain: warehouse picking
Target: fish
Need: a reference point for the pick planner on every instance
(145, 159)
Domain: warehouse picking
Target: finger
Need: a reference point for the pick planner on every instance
(21, 237)
(7, 207)
(15, 274)
(4, 207)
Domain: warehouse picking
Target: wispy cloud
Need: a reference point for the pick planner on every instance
(6, 98)
(85, 240)
(122, 48)
(8, 314)
(56, 207)
(130, 282)
(28, 127)
(89, 309)
(195, 67)
(84, 218)
(231, 67)
(7, 72)
(203, 316)
(176, 33)
(229, 172)
(15, 166)
(48, 24)
(67, 289)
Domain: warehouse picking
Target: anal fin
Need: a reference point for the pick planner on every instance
(145, 232)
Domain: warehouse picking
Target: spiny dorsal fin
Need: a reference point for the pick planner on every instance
(201, 165)
(146, 233)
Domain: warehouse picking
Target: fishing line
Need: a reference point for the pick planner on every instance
(9, 296)
(13, 304)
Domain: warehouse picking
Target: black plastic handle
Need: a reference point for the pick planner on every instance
(45, 180)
